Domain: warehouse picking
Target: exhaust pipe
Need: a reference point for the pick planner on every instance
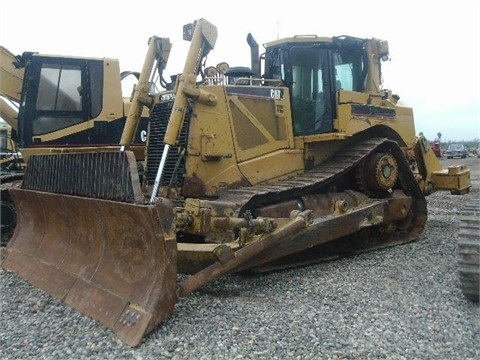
(255, 57)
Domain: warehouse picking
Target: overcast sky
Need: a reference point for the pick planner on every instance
(434, 45)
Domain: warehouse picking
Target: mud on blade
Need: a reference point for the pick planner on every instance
(114, 261)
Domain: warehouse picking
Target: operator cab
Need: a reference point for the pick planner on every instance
(59, 93)
(72, 101)
(315, 69)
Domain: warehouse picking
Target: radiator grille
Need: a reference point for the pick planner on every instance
(104, 175)
(158, 126)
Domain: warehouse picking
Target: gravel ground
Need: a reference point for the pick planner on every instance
(397, 303)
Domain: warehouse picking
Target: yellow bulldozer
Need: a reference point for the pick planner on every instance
(245, 171)
(67, 104)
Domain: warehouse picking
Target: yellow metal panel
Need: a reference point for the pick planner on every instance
(272, 166)
(240, 129)
(453, 178)
(112, 91)
(259, 125)
(11, 78)
(402, 123)
(210, 152)
(352, 97)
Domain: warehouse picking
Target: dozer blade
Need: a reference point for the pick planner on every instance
(113, 261)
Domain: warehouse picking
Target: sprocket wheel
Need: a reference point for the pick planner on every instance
(379, 173)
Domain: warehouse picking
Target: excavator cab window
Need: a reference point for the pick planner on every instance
(60, 93)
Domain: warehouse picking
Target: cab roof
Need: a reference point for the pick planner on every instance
(300, 39)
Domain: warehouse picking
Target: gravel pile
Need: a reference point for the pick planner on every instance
(398, 303)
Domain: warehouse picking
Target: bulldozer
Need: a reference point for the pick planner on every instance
(67, 104)
(245, 171)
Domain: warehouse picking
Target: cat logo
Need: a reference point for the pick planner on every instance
(276, 94)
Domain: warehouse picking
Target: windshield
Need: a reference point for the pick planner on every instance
(455, 147)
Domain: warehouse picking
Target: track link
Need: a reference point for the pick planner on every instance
(322, 179)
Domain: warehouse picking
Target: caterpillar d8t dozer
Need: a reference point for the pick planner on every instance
(244, 172)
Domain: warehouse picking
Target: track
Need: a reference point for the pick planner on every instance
(326, 178)
(8, 212)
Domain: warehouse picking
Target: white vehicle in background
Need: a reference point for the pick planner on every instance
(457, 150)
